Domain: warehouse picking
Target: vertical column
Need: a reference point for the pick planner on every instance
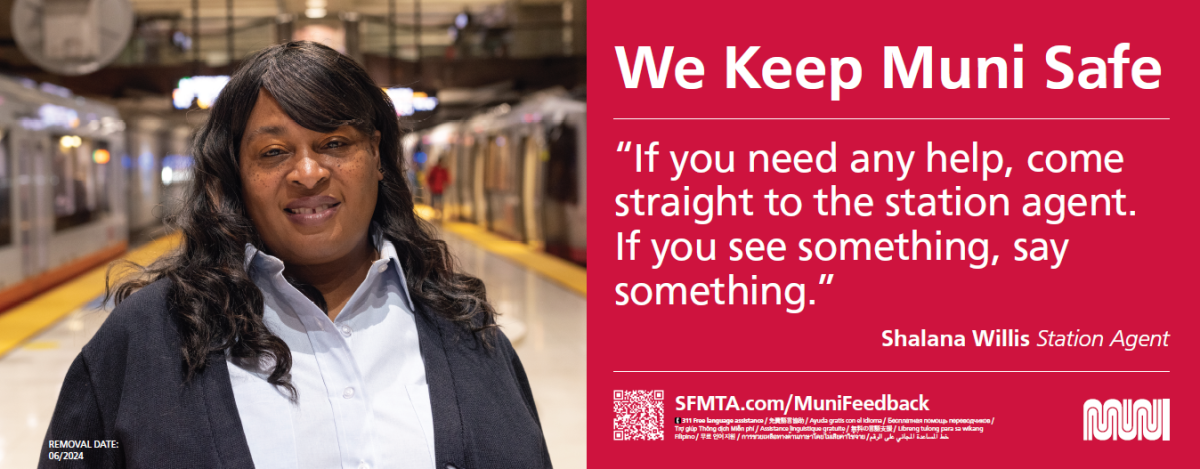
(229, 32)
(568, 30)
(391, 24)
(195, 37)
(283, 27)
(417, 35)
(350, 22)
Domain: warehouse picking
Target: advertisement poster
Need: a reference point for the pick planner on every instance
(495, 234)
(946, 234)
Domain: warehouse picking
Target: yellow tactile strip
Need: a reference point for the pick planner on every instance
(560, 271)
(28, 319)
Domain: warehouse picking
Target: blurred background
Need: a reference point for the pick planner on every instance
(99, 100)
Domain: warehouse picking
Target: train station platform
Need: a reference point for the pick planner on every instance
(541, 299)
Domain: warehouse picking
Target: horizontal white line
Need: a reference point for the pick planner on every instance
(891, 118)
(891, 371)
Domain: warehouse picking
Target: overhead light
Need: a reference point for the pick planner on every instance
(314, 8)
(70, 141)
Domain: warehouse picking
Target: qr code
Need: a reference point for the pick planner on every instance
(639, 415)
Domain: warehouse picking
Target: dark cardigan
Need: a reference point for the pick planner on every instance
(128, 385)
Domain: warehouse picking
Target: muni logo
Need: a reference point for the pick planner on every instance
(1127, 419)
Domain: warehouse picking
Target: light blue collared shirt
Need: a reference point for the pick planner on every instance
(363, 401)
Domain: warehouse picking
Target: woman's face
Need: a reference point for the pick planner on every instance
(309, 194)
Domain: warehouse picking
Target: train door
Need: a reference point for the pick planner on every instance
(491, 168)
(514, 196)
(34, 214)
(504, 170)
(578, 212)
(561, 202)
(479, 203)
(459, 206)
(533, 157)
(143, 176)
(10, 254)
(456, 201)
(462, 181)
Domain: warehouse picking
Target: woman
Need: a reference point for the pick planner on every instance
(308, 319)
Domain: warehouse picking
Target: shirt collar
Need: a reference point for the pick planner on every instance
(270, 265)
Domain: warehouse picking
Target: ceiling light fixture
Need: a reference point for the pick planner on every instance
(315, 8)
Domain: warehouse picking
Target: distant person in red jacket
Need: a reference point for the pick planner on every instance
(437, 179)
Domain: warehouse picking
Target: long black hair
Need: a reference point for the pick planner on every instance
(216, 305)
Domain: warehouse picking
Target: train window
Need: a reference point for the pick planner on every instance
(80, 180)
(6, 188)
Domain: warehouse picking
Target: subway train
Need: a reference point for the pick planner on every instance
(517, 170)
(74, 182)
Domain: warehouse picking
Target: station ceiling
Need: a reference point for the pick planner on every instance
(532, 62)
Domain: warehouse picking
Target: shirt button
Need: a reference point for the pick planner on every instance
(348, 393)
(383, 268)
(346, 331)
